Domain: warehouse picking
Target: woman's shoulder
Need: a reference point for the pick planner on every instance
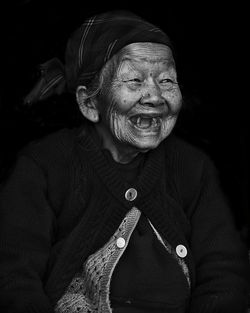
(187, 164)
(56, 146)
(185, 151)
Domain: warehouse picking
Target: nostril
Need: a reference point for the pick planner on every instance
(151, 104)
(152, 101)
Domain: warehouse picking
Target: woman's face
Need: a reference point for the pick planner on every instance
(139, 107)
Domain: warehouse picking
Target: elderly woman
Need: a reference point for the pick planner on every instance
(118, 215)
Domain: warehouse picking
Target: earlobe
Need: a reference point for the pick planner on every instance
(86, 105)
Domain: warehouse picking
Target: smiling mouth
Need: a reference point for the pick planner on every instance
(145, 122)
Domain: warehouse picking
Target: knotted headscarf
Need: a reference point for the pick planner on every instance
(89, 48)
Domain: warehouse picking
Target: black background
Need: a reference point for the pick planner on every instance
(210, 42)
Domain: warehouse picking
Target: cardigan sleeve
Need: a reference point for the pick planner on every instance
(220, 256)
(26, 228)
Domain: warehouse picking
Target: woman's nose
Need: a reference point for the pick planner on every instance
(152, 95)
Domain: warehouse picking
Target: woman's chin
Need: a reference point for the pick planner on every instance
(144, 144)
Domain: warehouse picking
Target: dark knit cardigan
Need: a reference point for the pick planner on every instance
(63, 202)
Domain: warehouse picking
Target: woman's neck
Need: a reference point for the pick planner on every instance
(120, 152)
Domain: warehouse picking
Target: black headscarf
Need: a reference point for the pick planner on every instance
(90, 47)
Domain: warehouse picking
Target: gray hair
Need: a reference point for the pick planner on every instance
(103, 78)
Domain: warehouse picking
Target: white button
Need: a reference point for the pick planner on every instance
(120, 242)
(131, 194)
(181, 251)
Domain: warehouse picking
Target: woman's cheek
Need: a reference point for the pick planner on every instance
(126, 98)
(119, 127)
(174, 99)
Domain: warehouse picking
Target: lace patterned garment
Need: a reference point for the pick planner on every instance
(89, 290)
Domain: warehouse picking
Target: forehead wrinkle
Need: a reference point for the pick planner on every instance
(166, 61)
(130, 65)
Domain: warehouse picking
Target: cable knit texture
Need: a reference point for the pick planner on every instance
(89, 290)
(63, 203)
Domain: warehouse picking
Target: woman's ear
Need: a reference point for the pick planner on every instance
(87, 105)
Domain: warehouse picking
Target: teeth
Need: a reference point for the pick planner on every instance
(146, 122)
(154, 122)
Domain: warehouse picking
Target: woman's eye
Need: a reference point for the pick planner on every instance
(167, 80)
(136, 80)
(168, 83)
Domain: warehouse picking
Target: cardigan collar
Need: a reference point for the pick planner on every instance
(146, 181)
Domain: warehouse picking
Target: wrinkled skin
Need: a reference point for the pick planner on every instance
(141, 103)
